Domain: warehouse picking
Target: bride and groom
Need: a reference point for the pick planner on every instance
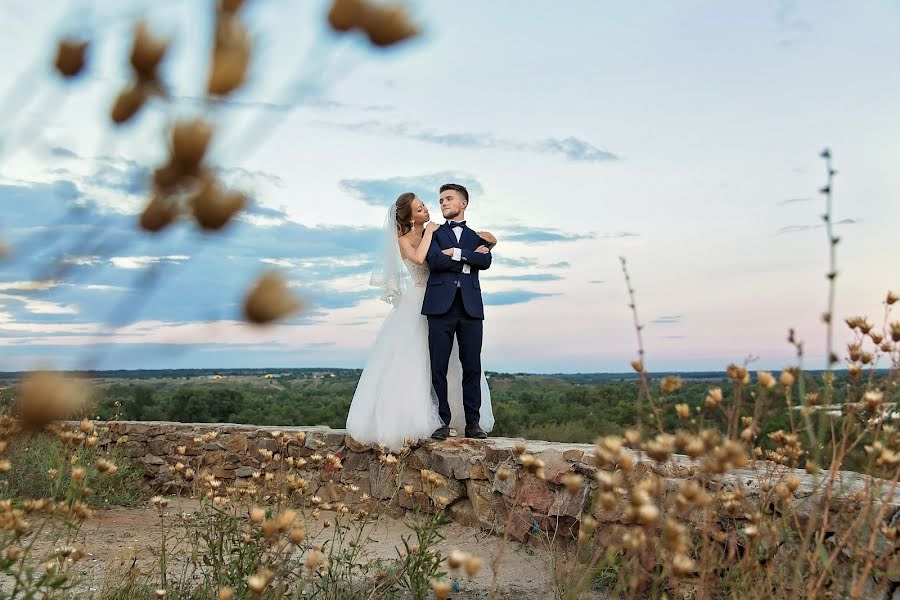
(423, 376)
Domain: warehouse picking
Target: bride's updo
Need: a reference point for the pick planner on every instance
(404, 213)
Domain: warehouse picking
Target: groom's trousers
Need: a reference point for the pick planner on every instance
(468, 332)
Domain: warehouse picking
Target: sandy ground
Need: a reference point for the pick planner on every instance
(120, 540)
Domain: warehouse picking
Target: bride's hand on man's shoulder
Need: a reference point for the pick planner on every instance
(431, 226)
(488, 237)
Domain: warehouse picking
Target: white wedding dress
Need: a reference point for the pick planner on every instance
(394, 400)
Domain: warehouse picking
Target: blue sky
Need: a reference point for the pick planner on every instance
(683, 136)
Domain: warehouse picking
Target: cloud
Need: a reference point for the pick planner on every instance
(382, 192)
(794, 201)
(315, 99)
(799, 228)
(142, 262)
(667, 320)
(559, 265)
(596, 281)
(521, 233)
(514, 262)
(509, 297)
(570, 148)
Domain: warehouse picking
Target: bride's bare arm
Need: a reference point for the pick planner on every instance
(418, 254)
(488, 238)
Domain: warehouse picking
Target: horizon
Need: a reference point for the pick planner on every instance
(685, 138)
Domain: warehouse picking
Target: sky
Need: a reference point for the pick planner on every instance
(683, 136)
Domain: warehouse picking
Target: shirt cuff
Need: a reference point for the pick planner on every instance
(457, 254)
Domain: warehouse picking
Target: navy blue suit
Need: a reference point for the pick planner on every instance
(454, 307)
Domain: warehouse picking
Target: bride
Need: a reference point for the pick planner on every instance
(394, 401)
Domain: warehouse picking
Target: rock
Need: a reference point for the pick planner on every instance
(555, 465)
(237, 443)
(464, 513)
(573, 455)
(533, 492)
(569, 505)
(263, 443)
(521, 524)
(451, 465)
(331, 492)
(414, 501)
(216, 457)
(244, 472)
(487, 506)
(565, 527)
(355, 446)
(477, 470)
(358, 461)
(150, 459)
(382, 482)
(420, 459)
(451, 491)
(223, 473)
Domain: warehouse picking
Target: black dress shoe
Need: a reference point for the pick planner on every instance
(474, 431)
(442, 433)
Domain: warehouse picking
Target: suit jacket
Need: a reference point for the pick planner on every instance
(446, 273)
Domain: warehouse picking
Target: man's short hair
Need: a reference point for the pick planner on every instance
(456, 187)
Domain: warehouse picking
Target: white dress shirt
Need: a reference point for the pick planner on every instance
(457, 252)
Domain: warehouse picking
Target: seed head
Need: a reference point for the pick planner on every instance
(441, 589)
(786, 379)
(682, 565)
(573, 482)
(387, 25)
(637, 365)
(45, 397)
(670, 384)
(214, 207)
(128, 103)
(713, 397)
(226, 593)
(257, 583)
(473, 565)
(190, 140)
(298, 534)
(314, 560)
(147, 51)
(765, 379)
(70, 57)
(683, 410)
(456, 559)
(269, 300)
(737, 374)
(231, 57)
(257, 514)
(159, 213)
(345, 15)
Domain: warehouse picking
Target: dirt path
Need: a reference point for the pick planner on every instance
(119, 540)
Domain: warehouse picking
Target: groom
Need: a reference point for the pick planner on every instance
(454, 307)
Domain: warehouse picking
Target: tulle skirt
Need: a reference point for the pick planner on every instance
(394, 400)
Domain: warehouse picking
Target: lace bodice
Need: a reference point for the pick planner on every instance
(418, 273)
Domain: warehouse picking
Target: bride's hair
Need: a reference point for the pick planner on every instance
(404, 213)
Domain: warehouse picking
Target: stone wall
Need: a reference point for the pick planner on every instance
(481, 481)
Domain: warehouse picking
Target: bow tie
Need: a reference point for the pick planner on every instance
(456, 223)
